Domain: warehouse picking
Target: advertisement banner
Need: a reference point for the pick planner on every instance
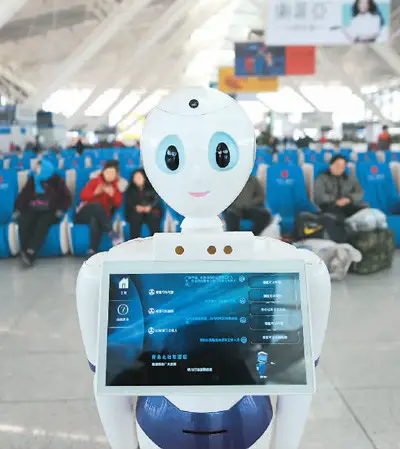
(229, 83)
(255, 59)
(326, 22)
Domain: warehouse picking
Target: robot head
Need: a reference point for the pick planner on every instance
(198, 148)
(262, 357)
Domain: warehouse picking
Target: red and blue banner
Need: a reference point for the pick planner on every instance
(256, 59)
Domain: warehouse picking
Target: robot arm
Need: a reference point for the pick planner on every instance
(116, 413)
(292, 411)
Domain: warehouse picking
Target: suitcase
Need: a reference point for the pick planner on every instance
(377, 248)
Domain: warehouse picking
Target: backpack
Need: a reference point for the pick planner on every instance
(377, 248)
(319, 226)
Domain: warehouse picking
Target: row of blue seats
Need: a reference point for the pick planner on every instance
(96, 158)
(286, 196)
(63, 237)
(71, 159)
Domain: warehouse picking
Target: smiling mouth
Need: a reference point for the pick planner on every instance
(198, 194)
(211, 432)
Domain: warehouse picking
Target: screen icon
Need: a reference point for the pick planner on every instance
(262, 362)
(123, 284)
(122, 309)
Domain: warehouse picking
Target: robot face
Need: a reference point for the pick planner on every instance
(198, 148)
(262, 357)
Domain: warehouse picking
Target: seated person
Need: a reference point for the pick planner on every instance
(143, 205)
(100, 198)
(338, 193)
(249, 205)
(42, 203)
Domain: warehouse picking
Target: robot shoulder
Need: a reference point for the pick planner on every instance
(270, 248)
(138, 249)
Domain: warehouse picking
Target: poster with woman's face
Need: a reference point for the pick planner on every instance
(327, 22)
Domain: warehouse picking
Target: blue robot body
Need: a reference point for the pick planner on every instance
(236, 428)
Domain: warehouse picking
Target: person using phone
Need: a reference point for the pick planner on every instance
(143, 205)
(41, 203)
(99, 199)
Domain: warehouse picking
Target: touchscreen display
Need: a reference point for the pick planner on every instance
(205, 329)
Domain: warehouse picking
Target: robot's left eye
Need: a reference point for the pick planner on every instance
(170, 155)
(223, 152)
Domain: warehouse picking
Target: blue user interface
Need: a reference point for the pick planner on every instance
(205, 329)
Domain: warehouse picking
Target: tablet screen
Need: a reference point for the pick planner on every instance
(198, 329)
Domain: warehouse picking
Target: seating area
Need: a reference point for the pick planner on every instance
(288, 178)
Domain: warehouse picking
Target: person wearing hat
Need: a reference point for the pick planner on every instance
(41, 204)
(338, 192)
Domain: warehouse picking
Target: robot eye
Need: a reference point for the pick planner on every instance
(172, 158)
(223, 152)
(170, 155)
(222, 155)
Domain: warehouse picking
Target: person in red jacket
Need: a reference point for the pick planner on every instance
(100, 198)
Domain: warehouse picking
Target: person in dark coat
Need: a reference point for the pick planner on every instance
(42, 203)
(250, 205)
(338, 193)
(79, 147)
(143, 205)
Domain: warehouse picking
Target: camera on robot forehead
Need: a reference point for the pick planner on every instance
(198, 147)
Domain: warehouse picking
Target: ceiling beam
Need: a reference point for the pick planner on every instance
(164, 24)
(348, 80)
(154, 82)
(293, 85)
(389, 56)
(9, 8)
(164, 55)
(96, 40)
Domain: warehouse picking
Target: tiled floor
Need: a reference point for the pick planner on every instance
(45, 385)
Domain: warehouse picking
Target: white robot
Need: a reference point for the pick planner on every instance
(198, 149)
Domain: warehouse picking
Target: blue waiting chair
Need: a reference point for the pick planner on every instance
(392, 156)
(288, 157)
(313, 157)
(8, 195)
(287, 194)
(380, 192)
(368, 156)
(346, 152)
(76, 163)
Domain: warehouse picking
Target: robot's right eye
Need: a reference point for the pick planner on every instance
(170, 154)
(223, 152)
(172, 158)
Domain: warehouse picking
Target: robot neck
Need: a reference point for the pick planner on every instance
(203, 225)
